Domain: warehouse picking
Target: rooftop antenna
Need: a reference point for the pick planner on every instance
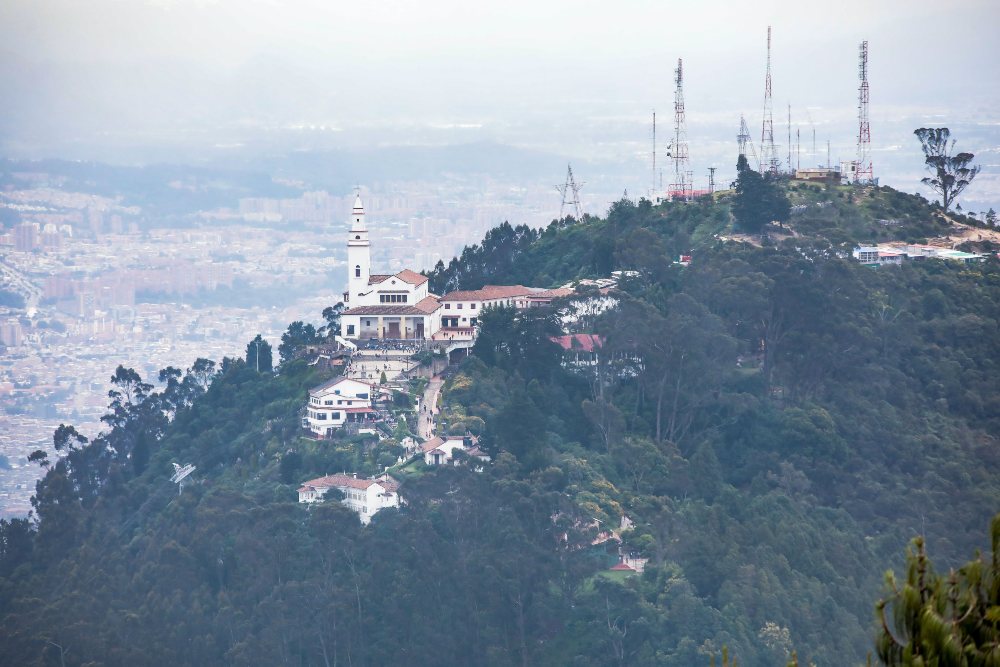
(180, 474)
(789, 138)
(570, 192)
(864, 173)
(798, 150)
(681, 187)
(768, 155)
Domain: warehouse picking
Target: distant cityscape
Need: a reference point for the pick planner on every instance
(91, 281)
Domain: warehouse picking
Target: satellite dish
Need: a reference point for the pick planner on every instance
(180, 474)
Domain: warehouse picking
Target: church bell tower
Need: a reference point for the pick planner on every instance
(359, 255)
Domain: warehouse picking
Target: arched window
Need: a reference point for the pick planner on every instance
(357, 271)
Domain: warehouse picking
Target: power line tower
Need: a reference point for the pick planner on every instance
(745, 142)
(570, 192)
(681, 187)
(768, 154)
(864, 172)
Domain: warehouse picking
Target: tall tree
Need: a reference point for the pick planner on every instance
(950, 174)
(259, 355)
(298, 335)
(759, 201)
(331, 315)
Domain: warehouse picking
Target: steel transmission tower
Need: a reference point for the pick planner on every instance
(768, 154)
(683, 176)
(746, 142)
(570, 192)
(864, 172)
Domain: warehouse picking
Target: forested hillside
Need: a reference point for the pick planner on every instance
(775, 420)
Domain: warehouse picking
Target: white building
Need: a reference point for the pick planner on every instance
(338, 402)
(364, 496)
(441, 450)
(461, 309)
(897, 253)
(395, 306)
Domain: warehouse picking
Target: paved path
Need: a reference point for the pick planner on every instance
(428, 408)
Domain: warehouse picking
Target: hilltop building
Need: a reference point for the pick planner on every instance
(337, 402)
(365, 496)
(897, 253)
(395, 306)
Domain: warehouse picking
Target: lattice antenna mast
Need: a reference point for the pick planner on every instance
(745, 142)
(864, 173)
(683, 176)
(711, 180)
(768, 154)
(790, 170)
(652, 190)
(570, 192)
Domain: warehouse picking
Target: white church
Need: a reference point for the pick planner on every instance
(400, 307)
(384, 306)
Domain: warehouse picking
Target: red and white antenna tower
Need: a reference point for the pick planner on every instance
(768, 154)
(681, 188)
(864, 173)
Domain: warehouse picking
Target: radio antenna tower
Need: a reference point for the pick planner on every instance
(570, 192)
(746, 142)
(652, 190)
(864, 173)
(768, 154)
(683, 177)
(711, 180)
(790, 170)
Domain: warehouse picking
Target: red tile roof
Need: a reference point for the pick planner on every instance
(582, 342)
(553, 293)
(425, 306)
(376, 278)
(334, 481)
(622, 567)
(411, 277)
(337, 380)
(489, 292)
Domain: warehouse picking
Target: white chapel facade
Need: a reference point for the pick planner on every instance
(397, 306)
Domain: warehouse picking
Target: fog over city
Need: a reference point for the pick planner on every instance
(176, 176)
(231, 82)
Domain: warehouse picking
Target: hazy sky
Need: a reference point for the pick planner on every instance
(575, 77)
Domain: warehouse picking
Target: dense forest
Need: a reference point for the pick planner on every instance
(775, 421)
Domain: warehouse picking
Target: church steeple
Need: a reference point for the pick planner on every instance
(359, 261)
(358, 215)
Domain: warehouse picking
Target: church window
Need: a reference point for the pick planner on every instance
(357, 237)
(357, 271)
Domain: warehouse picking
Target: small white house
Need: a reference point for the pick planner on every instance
(441, 450)
(338, 402)
(364, 496)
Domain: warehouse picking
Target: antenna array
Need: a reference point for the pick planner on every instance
(864, 172)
